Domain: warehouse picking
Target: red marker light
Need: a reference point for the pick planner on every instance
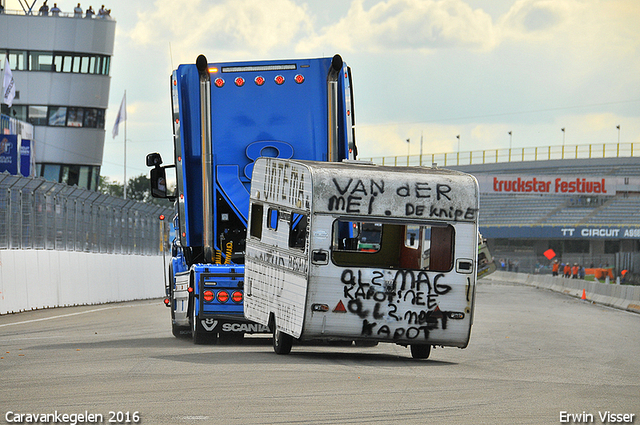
(236, 297)
(161, 217)
(279, 80)
(223, 296)
(208, 296)
(259, 80)
(239, 81)
(299, 78)
(189, 289)
(166, 301)
(219, 82)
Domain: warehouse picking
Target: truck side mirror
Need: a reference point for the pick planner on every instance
(154, 160)
(158, 182)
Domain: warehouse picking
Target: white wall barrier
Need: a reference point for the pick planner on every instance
(33, 279)
(625, 297)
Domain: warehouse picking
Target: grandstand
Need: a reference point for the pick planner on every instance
(600, 227)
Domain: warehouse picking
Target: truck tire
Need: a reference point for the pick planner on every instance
(282, 342)
(420, 351)
(198, 333)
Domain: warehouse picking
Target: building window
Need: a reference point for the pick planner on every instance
(24, 60)
(18, 60)
(60, 116)
(18, 112)
(67, 63)
(37, 115)
(50, 172)
(90, 117)
(57, 116)
(84, 176)
(41, 61)
(74, 117)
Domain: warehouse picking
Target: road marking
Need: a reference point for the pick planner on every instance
(70, 314)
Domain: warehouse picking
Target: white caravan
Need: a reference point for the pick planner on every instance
(358, 252)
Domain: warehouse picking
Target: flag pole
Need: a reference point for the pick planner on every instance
(125, 150)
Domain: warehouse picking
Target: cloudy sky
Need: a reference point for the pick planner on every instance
(475, 68)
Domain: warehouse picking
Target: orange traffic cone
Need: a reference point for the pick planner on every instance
(584, 294)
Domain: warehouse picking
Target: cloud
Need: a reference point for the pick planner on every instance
(232, 29)
(406, 25)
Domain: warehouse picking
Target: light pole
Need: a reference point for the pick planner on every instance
(458, 137)
(124, 194)
(510, 138)
(618, 127)
(562, 136)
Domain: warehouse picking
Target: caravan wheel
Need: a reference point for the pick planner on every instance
(282, 342)
(420, 351)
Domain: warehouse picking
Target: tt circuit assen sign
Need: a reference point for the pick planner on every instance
(561, 232)
(551, 185)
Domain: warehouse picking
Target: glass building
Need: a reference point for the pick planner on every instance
(61, 65)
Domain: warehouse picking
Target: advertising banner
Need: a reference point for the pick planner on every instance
(547, 184)
(27, 161)
(10, 153)
(561, 232)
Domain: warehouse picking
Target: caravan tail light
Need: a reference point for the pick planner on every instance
(259, 80)
(239, 81)
(223, 296)
(208, 296)
(236, 297)
(299, 78)
(219, 82)
(279, 80)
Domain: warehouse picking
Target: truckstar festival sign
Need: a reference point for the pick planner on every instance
(553, 185)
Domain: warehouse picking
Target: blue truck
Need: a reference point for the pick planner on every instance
(225, 116)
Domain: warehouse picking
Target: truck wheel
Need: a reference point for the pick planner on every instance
(282, 342)
(420, 351)
(198, 333)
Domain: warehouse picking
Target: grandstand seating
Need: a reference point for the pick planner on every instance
(623, 209)
(524, 210)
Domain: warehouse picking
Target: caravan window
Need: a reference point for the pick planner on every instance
(298, 231)
(272, 218)
(390, 245)
(256, 220)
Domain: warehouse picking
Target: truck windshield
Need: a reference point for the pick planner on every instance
(389, 245)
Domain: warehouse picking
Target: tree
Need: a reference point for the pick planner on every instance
(138, 188)
(112, 188)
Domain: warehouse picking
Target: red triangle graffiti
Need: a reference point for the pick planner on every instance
(340, 308)
(437, 313)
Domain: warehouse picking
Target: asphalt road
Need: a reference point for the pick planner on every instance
(533, 355)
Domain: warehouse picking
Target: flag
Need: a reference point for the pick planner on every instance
(8, 85)
(549, 253)
(122, 115)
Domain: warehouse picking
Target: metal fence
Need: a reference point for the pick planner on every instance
(493, 156)
(40, 214)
